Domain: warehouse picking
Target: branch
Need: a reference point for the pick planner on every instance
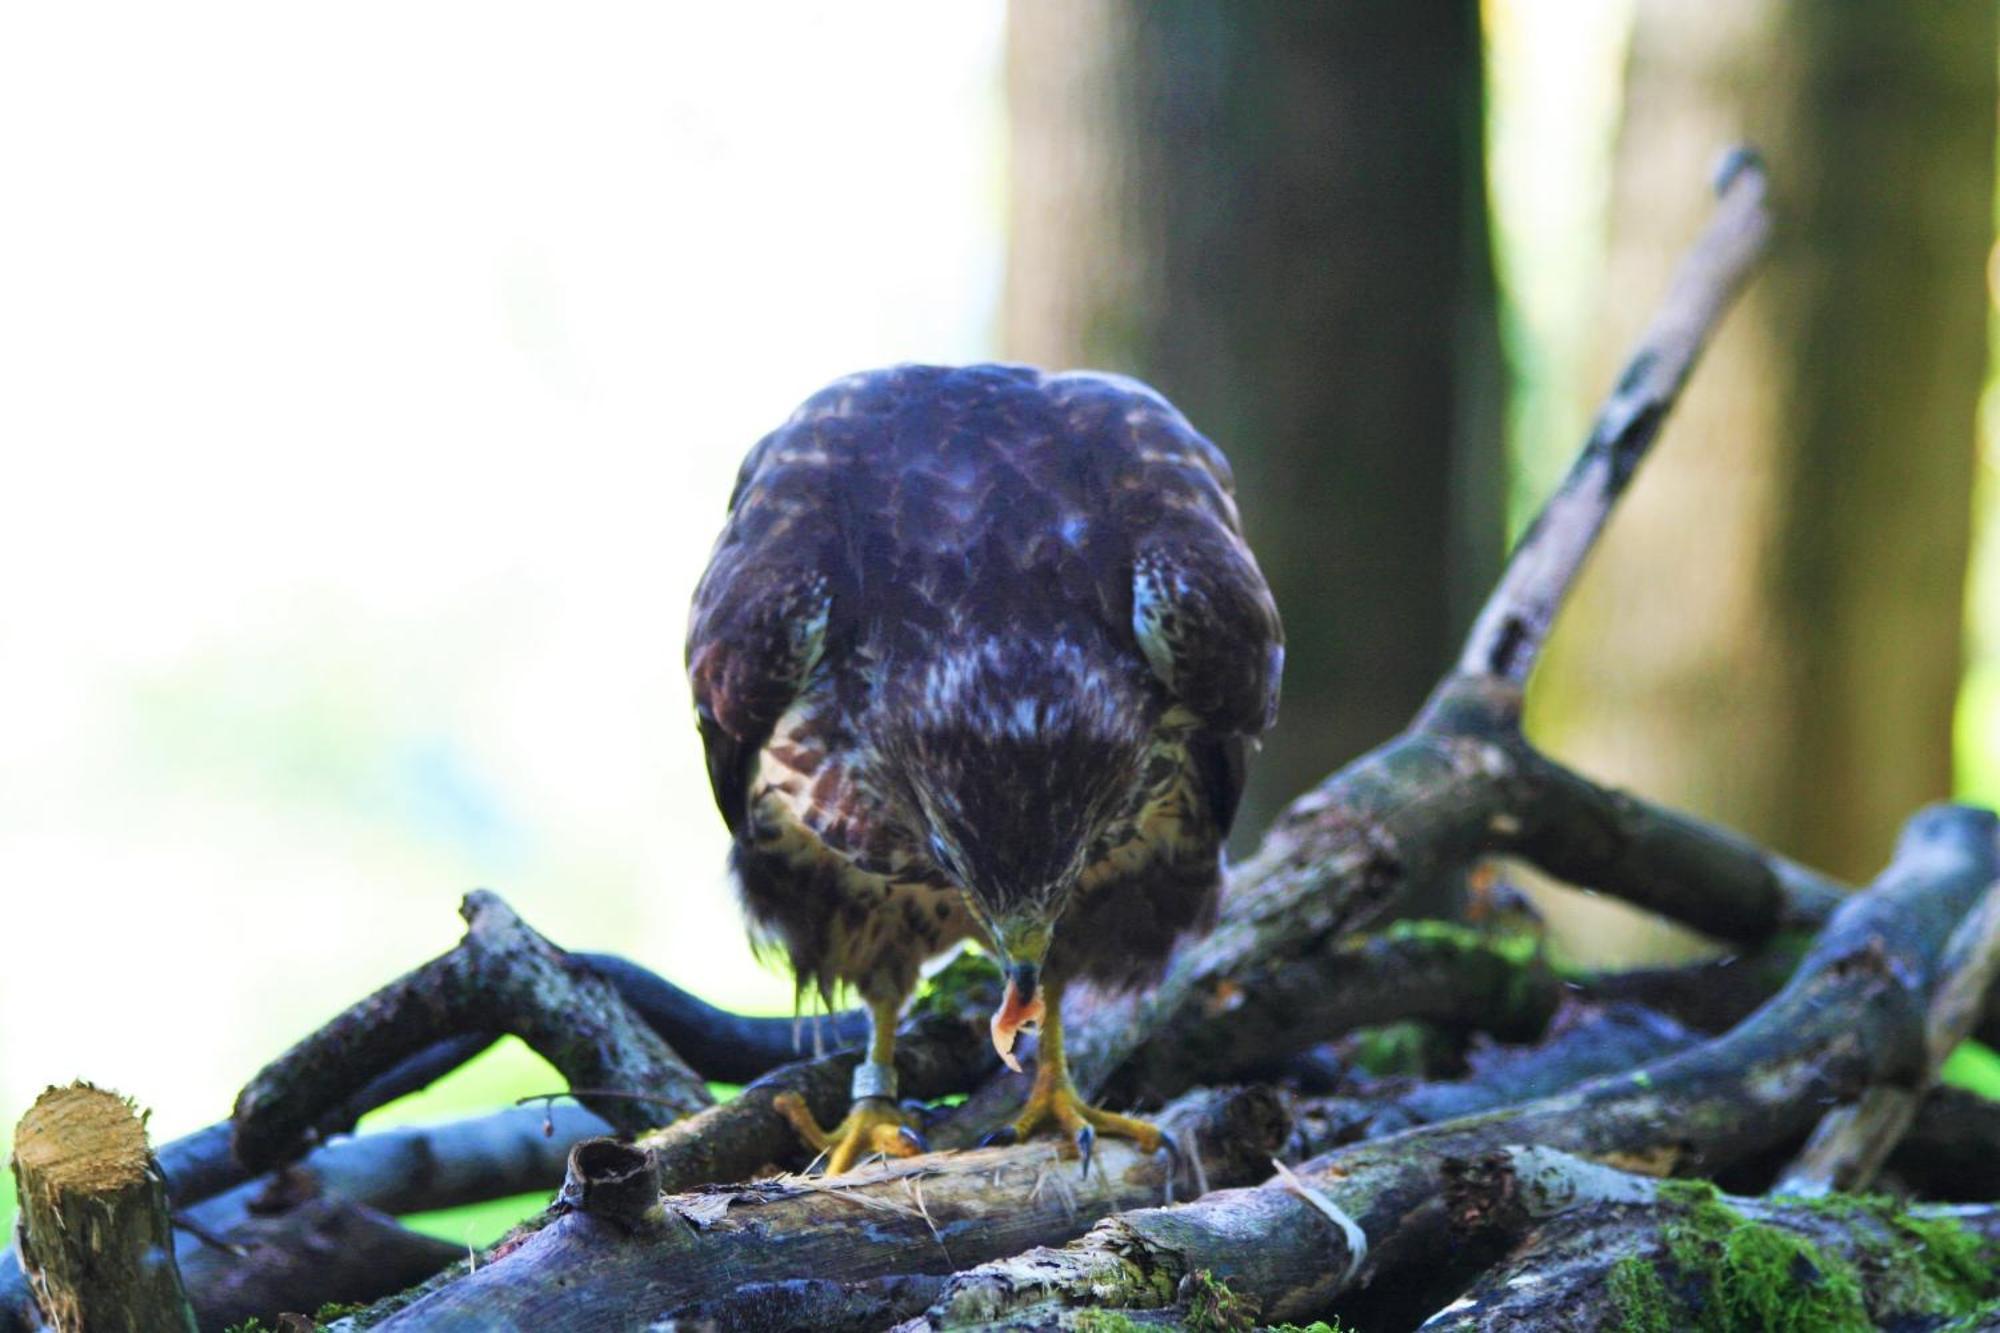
(1586, 1041)
(919, 1215)
(1507, 637)
(719, 1045)
(1853, 1015)
(501, 976)
(316, 1253)
(1609, 1250)
(1259, 1005)
(935, 1055)
(94, 1235)
(1852, 1142)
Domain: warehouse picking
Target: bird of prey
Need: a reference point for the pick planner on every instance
(979, 655)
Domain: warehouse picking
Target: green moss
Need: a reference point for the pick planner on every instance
(1974, 1320)
(1409, 1047)
(1752, 1275)
(1105, 1321)
(1514, 946)
(1912, 1265)
(969, 983)
(1639, 1298)
(1213, 1308)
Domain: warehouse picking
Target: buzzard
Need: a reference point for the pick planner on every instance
(979, 655)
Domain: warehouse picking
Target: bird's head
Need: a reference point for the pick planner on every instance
(1014, 761)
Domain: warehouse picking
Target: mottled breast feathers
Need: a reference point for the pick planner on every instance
(903, 511)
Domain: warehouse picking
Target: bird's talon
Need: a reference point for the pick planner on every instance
(1002, 1137)
(1086, 1143)
(874, 1129)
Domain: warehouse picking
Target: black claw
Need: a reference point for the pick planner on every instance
(915, 1138)
(1086, 1144)
(1173, 1151)
(1001, 1137)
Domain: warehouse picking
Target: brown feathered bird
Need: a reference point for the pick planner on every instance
(979, 654)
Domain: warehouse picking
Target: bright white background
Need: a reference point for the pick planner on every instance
(371, 383)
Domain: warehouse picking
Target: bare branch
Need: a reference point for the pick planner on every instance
(1507, 637)
(501, 976)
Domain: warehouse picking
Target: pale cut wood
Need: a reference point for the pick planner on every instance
(95, 1237)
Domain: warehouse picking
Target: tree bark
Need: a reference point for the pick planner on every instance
(1611, 1251)
(922, 1215)
(1276, 213)
(95, 1238)
(1799, 682)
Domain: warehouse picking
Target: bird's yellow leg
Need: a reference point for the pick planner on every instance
(875, 1123)
(1055, 1098)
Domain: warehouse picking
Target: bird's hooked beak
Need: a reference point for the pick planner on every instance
(1019, 1007)
(1023, 945)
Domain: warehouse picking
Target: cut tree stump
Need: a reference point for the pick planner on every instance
(95, 1236)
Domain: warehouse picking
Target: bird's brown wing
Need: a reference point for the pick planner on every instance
(1206, 623)
(1202, 614)
(758, 628)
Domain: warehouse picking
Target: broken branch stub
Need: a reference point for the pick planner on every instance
(95, 1236)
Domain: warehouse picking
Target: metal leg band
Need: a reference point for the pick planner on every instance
(873, 1080)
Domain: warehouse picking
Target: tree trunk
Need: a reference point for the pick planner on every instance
(1812, 516)
(1276, 214)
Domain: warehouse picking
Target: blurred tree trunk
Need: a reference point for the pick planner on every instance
(1275, 213)
(1772, 632)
